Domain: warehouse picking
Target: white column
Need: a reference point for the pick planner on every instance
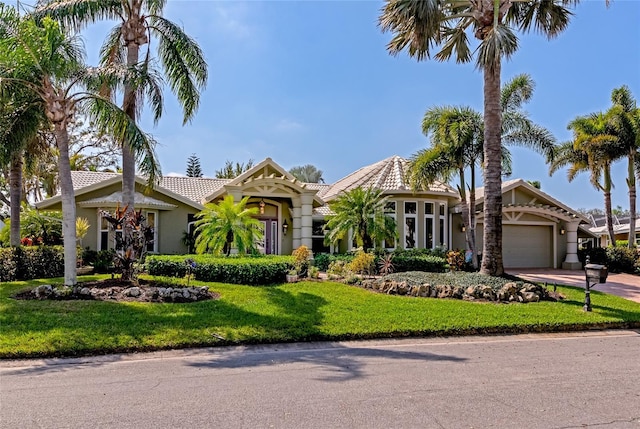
(571, 261)
(306, 220)
(297, 223)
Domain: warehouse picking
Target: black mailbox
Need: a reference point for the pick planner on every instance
(596, 273)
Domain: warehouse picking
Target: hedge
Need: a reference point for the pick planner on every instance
(26, 263)
(617, 259)
(250, 270)
(403, 260)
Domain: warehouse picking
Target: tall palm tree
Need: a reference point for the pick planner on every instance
(39, 57)
(180, 57)
(626, 118)
(362, 212)
(220, 226)
(457, 144)
(20, 120)
(420, 25)
(593, 149)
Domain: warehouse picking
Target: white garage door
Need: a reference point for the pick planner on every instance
(527, 246)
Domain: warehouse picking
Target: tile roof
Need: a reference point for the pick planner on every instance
(193, 188)
(388, 175)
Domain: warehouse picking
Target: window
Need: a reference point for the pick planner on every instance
(390, 210)
(317, 237)
(151, 219)
(442, 224)
(410, 214)
(103, 239)
(428, 225)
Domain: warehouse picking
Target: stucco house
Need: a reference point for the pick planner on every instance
(539, 231)
(621, 225)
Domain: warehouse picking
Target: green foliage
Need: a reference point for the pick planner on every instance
(622, 259)
(223, 225)
(362, 263)
(25, 263)
(249, 270)
(303, 311)
(429, 263)
(453, 278)
(362, 212)
(193, 166)
(617, 259)
(301, 260)
(323, 260)
(231, 171)
(104, 262)
(314, 272)
(41, 227)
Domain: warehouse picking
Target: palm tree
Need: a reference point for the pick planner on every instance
(20, 120)
(220, 226)
(626, 118)
(307, 173)
(40, 58)
(362, 212)
(593, 149)
(231, 171)
(457, 144)
(180, 57)
(456, 138)
(419, 25)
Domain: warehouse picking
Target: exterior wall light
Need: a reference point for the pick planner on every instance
(463, 227)
(562, 230)
(261, 204)
(285, 227)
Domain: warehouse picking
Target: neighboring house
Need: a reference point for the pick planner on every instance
(539, 231)
(621, 225)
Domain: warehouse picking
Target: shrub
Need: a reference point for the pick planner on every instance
(455, 259)
(103, 262)
(597, 255)
(301, 260)
(19, 263)
(314, 272)
(621, 259)
(323, 260)
(436, 264)
(250, 270)
(362, 263)
(385, 264)
(338, 267)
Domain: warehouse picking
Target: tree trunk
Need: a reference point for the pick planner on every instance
(607, 204)
(68, 205)
(128, 159)
(492, 238)
(631, 182)
(472, 217)
(15, 191)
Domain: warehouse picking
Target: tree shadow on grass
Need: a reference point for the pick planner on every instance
(342, 363)
(622, 315)
(80, 328)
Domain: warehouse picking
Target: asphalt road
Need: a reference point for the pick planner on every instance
(527, 381)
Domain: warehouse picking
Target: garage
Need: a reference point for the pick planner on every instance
(527, 246)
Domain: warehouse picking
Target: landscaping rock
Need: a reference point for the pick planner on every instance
(43, 291)
(132, 291)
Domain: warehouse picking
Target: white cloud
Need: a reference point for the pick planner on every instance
(286, 125)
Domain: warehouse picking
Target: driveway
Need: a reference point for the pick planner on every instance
(623, 285)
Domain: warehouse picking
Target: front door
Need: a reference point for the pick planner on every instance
(269, 244)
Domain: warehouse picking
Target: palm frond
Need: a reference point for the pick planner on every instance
(76, 14)
(183, 63)
(500, 42)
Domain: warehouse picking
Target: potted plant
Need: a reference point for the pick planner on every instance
(292, 276)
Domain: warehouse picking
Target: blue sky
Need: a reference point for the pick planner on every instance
(311, 82)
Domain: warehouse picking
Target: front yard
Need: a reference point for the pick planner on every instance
(290, 312)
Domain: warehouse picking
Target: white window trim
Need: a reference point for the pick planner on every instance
(414, 216)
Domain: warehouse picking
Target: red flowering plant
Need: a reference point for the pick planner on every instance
(131, 236)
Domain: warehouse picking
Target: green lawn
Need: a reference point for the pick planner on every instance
(289, 312)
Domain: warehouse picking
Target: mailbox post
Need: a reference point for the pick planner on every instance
(594, 274)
